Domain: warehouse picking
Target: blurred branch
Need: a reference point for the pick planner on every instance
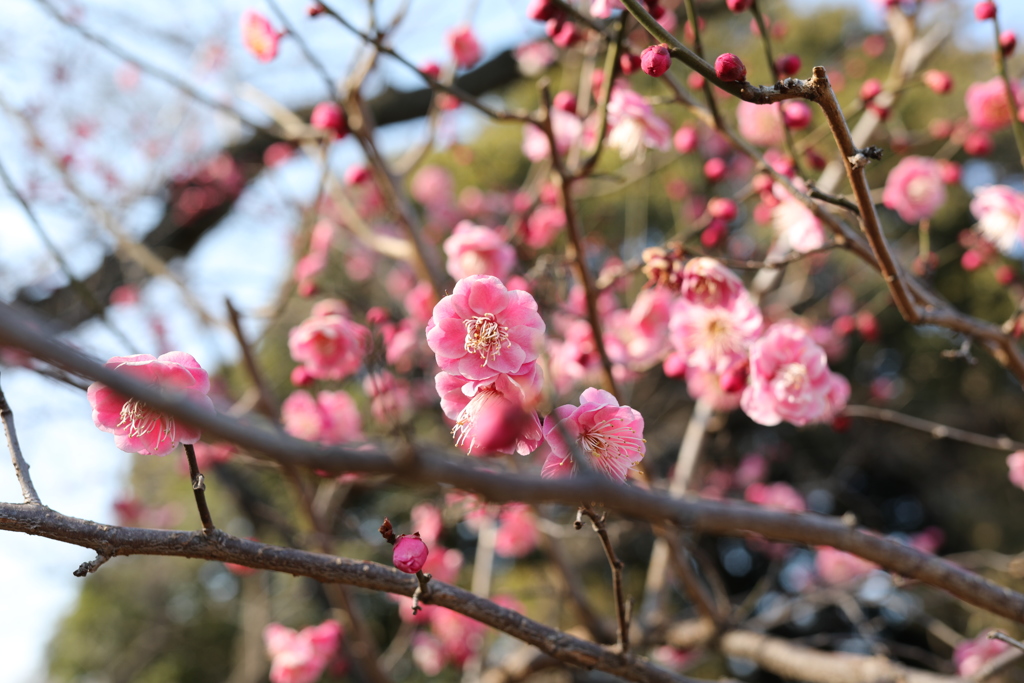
(698, 516)
(621, 604)
(935, 429)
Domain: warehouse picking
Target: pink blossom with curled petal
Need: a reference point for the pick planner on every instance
(633, 126)
(797, 226)
(464, 401)
(478, 250)
(136, 427)
(639, 337)
(836, 567)
(517, 533)
(712, 338)
(301, 657)
(259, 36)
(464, 46)
(790, 379)
(760, 124)
(330, 418)
(707, 282)
(481, 329)
(987, 106)
(1000, 213)
(610, 436)
(567, 129)
(1015, 461)
(328, 344)
(914, 188)
(971, 655)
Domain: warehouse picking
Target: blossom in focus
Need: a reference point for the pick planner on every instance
(1000, 213)
(330, 418)
(259, 36)
(633, 125)
(300, 657)
(970, 655)
(478, 250)
(836, 567)
(567, 129)
(797, 226)
(464, 46)
(610, 436)
(790, 380)
(655, 60)
(470, 404)
(410, 553)
(136, 427)
(481, 329)
(713, 338)
(760, 124)
(987, 106)
(328, 344)
(914, 188)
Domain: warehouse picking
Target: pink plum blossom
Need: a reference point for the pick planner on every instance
(633, 125)
(707, 282)
(330, 418)
(543, 225)
(460, 636)
(259, 36)
(639, 337)
(760, 124)
(722, 390)
(481, 329)
(567, 129)
(1000, 213)
(987, 107)
(610, 436)
(790, 379)
(410, 553)
(836, 567)
(328, 344)
(970, 655)
(390, 396)
(136, 427)
(478, 250)
(797, 226)
(602, 9)
(464, 46)
(914, 188)
(466, 401)
(517, 533)
(1015, 461)
(574, 358)
(713, 338)
(300, 657)
(778, 495)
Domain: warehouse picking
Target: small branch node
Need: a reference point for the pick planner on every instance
(422, 590)
(91, 566)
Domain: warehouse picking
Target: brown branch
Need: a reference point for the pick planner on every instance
(28, 491)
(268, 404)
(199, 488)
(698, 516)
(935, 429)
(616, 565)
(218, 546)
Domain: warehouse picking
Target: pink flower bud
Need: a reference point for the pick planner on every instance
(328, 116)
(738, 5)
(277, 153)
(356, 175)
(316, 9)
(464, 46)
(499, 426)
(787, 65)
(728, 67)
(629, 63)
(685, 139)
(714, 169)
(870, 89)
(735, 377)
(655, 60)
(978, 144)
(985, 10)
(796, 114)
(713, 235)
(562, 33)
(542, 10)
(565, 101)
(762, 182)
(721, 207)
(410, 553)
(867, 325)
(431, 69)
(940, 82)
(1007, 42)
(1004, 275)
(971, 260)
(949, 171)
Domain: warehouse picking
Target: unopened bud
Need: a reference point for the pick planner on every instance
(410, 553)
(655, 60)
(728, 67)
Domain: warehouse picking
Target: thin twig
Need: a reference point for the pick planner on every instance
(198, 488)
(268, 403)
(1011, 98)
(935, 429)
(28, 491)
(616, 565)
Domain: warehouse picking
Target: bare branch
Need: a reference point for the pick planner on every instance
(935, 429)
(17, 459)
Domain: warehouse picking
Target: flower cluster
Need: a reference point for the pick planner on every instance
(302, 656)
